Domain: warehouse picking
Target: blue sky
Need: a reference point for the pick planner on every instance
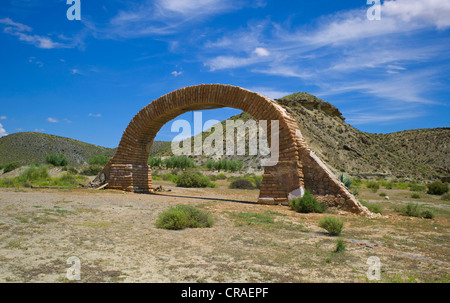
(87, 79)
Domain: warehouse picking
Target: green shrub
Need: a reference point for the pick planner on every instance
(10, 167)
(190, 179)
(8, 182)
(417, 187)
(340, 246)
(98, 160)
(427, 214)
(242, 184)
(92, 170)
(169, 177)
(373, 185)
(184, 216)
(307, 204)
(70, 169)
(446, 197)
(437, 188)
(333, 225)
(413, 210)
(57, 159)
(383, 194)
(155, 162)
(34, 173)
(67, 179)
(415, 196)
(372, 207)
(258, 181)
(221, 176)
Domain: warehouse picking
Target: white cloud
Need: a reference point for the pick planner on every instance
(2, 117)
(52, 120)
(23, 31)
(95, 115)
(432, 12)
(2, 131)
(261, 52)
(193, 8)
(225, 62)
(176, 74)
(39, 130)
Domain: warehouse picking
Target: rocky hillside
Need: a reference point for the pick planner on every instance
(413, 154)
(30, 147)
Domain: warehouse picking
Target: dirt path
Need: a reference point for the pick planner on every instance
(114, 236)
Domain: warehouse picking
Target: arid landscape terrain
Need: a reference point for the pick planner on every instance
(46, 217)
(113, 233)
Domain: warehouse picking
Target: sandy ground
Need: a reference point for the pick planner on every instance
(114, 236)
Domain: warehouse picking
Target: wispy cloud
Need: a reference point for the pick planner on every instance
(382, 117)
(95, 115)
(2, 131)
(3, 117)
(23, 33)
(39, 130)
(346, 52)
(176, 74)
(160, 17)
(52, 120)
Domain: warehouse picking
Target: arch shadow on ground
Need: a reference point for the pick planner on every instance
(204, 198)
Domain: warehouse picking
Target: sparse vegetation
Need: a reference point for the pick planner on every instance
(332, 224)
(224, 165)
(414, 210)
(98, 160)
(249, 218)
(10, 167)
(374, 208)
(184, 216)
(181, 162)
(221, 176)
(308, 204)
(373, 185)
(91, 170)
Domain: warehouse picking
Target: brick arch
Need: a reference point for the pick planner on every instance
(128, 169)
